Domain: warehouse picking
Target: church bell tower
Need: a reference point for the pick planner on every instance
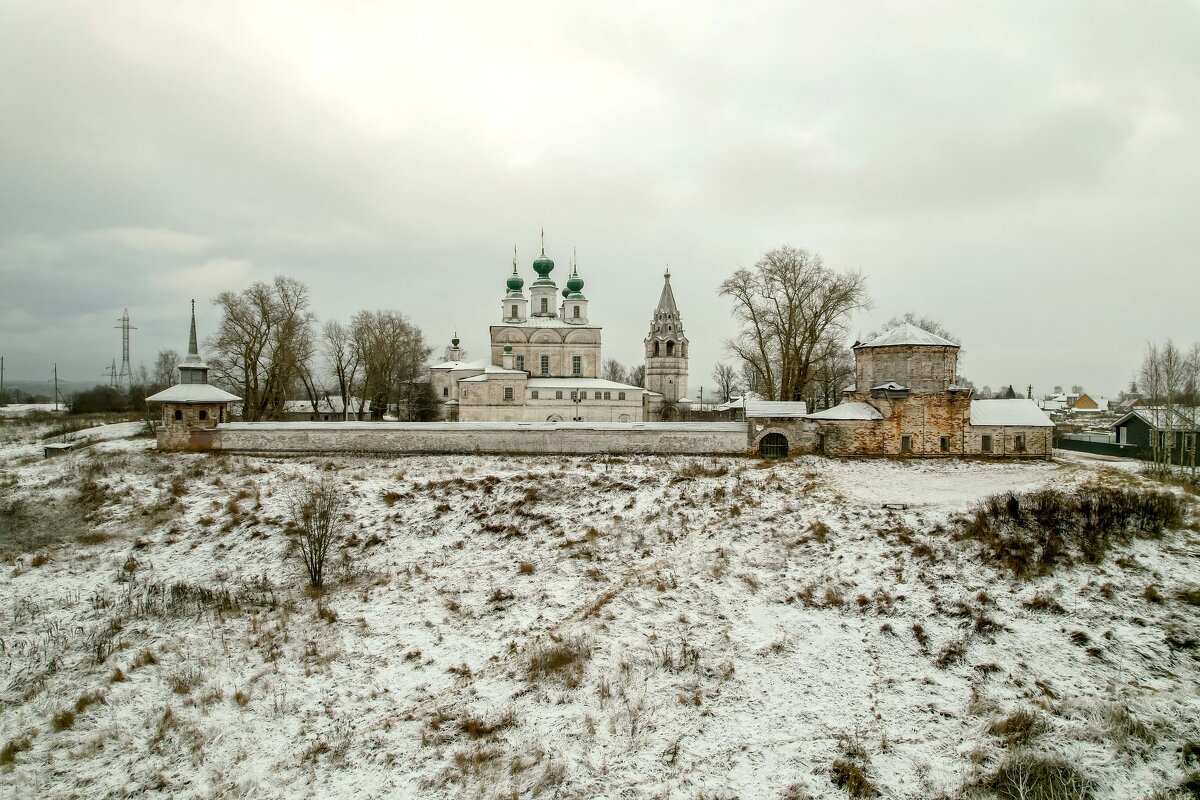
(667, 351)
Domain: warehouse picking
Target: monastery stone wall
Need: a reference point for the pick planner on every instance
(528, 438)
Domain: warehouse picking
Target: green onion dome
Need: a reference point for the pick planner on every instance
(575, 283)
(542, 265)
(515, 281)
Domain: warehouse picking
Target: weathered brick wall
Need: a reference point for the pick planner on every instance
(544, 407)
(181, 434)
(926, 417)
(1039, 442)
(801, 433)
(698, 439)
(920, 368)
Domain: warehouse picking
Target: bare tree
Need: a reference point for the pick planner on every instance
(264, 345)
(165, 364)
(986, 393)
(315, 510)
(393, 355)
(725, 380)
(614, 371)
(785, 306)
(342, 359)
(833, 371)
(1077, 389)
(637, 375)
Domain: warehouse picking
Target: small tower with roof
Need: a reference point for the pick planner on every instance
(574, 307)
(192, 407)
(543, 290)
(515, 307)
(667, 351)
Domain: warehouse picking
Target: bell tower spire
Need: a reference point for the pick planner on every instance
(667, 351)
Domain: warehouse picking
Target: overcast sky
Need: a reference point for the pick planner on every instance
(1028, 174)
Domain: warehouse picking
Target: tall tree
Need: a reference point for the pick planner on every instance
(833, 372)
(393, 356)
(263, 346)
(614, 370)
(637, 375)
(342, 359)
(164, 369)
(785, 307)
(725, 379)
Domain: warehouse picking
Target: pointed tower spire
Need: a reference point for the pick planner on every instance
(666, 301)
(193, 350)
(543, 241)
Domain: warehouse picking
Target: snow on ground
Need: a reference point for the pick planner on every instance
(22, 409)
(722, 627)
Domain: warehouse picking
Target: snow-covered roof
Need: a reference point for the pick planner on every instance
(548, 322)
(1017, 412)
(851, 411)
(325, 405)
(739, 402)
(1181, 417)
(491, 371)
(580, 383)
(907, 333)
(780, 409)
(456, 365)
(192, 393)
(666, 427)
(890, 386)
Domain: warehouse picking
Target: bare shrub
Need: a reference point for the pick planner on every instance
(1044, 602)
(1151, 594)
(693, 470)
(850, 770)
(953, 652)
(1189, 596)
(315, 510)
(1026, 775)
(478, 727)
(63, 720)
(525, 568)
(1032, 533)
(1018, 728)
(88, 699)
(13, 747)
(921, 636)
(562, 659)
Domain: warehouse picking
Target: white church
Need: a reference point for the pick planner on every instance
(545, 361)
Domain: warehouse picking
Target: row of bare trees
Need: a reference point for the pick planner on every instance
(1169, 382)
(268, 350)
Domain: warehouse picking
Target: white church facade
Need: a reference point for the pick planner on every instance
(545, 361)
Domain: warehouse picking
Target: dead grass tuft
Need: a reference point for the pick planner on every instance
(1019, 728)
(560, 659)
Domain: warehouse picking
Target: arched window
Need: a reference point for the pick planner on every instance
(203, 414)
(773, 445)
(545, 365)
(670, 348)
(545, 307)
(576, 312)
(656, 348)
(514, 312)
(521, 362)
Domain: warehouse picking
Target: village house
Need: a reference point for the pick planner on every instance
(1152, 429)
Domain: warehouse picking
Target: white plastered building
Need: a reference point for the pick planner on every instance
(544, 362)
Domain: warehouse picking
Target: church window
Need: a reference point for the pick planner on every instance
(986, 444)
(558, 395)
(514, 312)
(576, 312)
(508, 393)
(1019, 443)
(576, 365)
(178, 414)
(620, 395)
(668, 327)
(656, 348)
(445, 391)
(545, 365)
(203, 414)
(608, 395)
(545, 306)
(905, 444)
(945, 444)
(670, 348)
(533, 395)
(521, 362)
(574, 396)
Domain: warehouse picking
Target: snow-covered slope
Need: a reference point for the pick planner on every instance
(499, 627)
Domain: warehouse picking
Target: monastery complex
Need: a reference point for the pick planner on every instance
(540, 390)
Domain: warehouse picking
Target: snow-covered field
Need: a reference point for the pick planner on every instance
(567, 627)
